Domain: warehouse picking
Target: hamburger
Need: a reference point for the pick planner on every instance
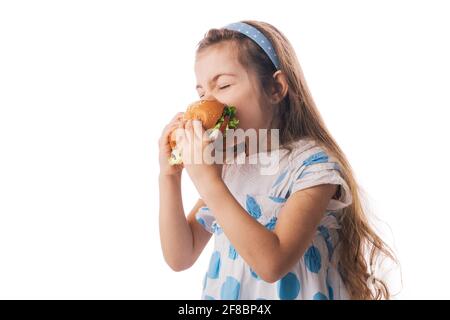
(214, 115)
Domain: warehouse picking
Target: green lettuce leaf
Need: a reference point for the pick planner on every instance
(229, 111)
(233, 123)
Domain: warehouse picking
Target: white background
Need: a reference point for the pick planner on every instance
(87, 86)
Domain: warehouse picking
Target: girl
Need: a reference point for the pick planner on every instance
(300, 233)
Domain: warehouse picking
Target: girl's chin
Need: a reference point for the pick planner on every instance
(247, 127)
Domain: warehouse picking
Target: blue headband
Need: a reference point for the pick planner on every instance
(258, 38)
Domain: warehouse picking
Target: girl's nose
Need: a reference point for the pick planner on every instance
(208, 97)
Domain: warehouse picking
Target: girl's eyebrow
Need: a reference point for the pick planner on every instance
(216, 77)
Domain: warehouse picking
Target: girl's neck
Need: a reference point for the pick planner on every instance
(260, 148)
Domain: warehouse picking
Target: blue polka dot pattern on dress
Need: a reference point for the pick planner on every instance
(232, 253)
(320, 157)
(271, 224)
(254, 274)
(288, 193)
(253, 207)
(313, 276)
(201, 221)
(214, 265)
(313, 260)
(288, 287)
(324, 232)
(330, 292)
(329, 287)
(216, 228)
(230, 289)
(320, 296)
(279, 179)
(278, 199)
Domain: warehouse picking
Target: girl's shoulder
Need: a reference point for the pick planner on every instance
(310, 164)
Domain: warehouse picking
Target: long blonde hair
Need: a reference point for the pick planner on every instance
(360, 246)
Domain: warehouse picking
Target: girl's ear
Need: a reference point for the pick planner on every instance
(280, 87)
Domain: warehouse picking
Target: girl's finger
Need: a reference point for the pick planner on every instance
(179, 135)
(189, 131)
(174, 120)
(168, 130)
(198, 129)
(171, 125)
(177, 116)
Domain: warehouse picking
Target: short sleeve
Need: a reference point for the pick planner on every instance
(315, 167)
(205, 217)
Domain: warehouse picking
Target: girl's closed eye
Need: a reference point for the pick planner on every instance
(220, 88)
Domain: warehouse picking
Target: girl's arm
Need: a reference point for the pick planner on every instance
(182, 240)
(271, 254)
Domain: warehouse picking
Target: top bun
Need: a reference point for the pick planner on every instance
(207, 111)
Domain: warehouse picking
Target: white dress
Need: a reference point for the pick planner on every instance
(315, 275)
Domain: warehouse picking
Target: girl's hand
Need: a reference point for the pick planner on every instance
(197, 155)
(165, 150)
